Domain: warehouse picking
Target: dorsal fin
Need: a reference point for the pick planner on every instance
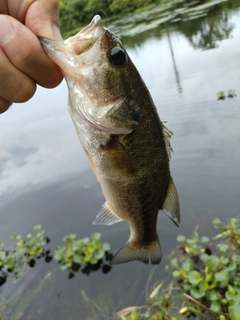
(106, 216)
(167, 136)
(171, 204)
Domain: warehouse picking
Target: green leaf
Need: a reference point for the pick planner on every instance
(187, 265)
(234, 312)
(99, 255)
(217, 221)
(174, 263)
(212, 262)
(181, 238)
(176, 273)
(2, 255)
(197, 294)
(64, 267)
(236, 258)
(182, 273)
(231, 267)
(37, 228)
(224, 260)
(96, 236)
(203, 286)
(85, 240)
(191, 241)
(204, 257)
(106, 246)
(187, 287)
(195, 235)
(222, 277)
(77, 245)
(230, 296)
(231, 289)
(213, 296)
(69, 238)
(233, 222)
(205, 239)
(222, 247)
(78, 259)
(215, 307)
(236, 280)
(194, 277)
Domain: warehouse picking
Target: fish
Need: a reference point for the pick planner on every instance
(127, 145)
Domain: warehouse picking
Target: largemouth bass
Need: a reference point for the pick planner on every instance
(119, 128)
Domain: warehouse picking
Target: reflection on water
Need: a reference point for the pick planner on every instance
(185, 57)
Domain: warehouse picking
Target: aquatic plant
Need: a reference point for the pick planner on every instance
(207, 279)
(78, 251)
(231, 93)
(71, 255)
(221, 95)
(26, 250)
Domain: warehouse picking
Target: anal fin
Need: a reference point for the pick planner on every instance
(171, 204)
(106, 216)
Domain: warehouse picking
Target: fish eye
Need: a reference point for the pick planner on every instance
(117, 56)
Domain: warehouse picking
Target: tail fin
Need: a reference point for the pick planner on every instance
(129, 252)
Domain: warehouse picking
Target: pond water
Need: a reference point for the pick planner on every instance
(185, 54)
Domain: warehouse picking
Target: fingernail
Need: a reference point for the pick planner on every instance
(56, 33)
(6, 30)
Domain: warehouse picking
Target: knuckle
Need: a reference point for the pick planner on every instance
(24, 91)
(20, 90)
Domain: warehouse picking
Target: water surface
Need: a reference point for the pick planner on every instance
(185, 55)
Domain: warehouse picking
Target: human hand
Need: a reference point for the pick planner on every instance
(23, 62)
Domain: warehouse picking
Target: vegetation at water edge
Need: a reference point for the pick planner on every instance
(206, 279)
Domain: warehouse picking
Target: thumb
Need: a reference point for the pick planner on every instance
(42, 18)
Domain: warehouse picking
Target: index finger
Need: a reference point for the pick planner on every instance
(25, 52)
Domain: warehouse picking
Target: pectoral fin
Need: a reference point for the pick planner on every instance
(106, 216)
(171, 204)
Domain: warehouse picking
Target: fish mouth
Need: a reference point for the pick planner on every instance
(82, 42)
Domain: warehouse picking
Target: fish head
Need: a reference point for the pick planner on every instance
(101, 78)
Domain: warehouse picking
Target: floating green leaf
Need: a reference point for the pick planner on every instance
(205, 239)
(213, 295)
(222, 247)
(217, 221)
(222, 277)
(181, 238)
(224, 260)
(234, 312)
(174, 263)
(215, 307)
(194, 277)
(196, 293)
(211, 262)
(188, 265)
